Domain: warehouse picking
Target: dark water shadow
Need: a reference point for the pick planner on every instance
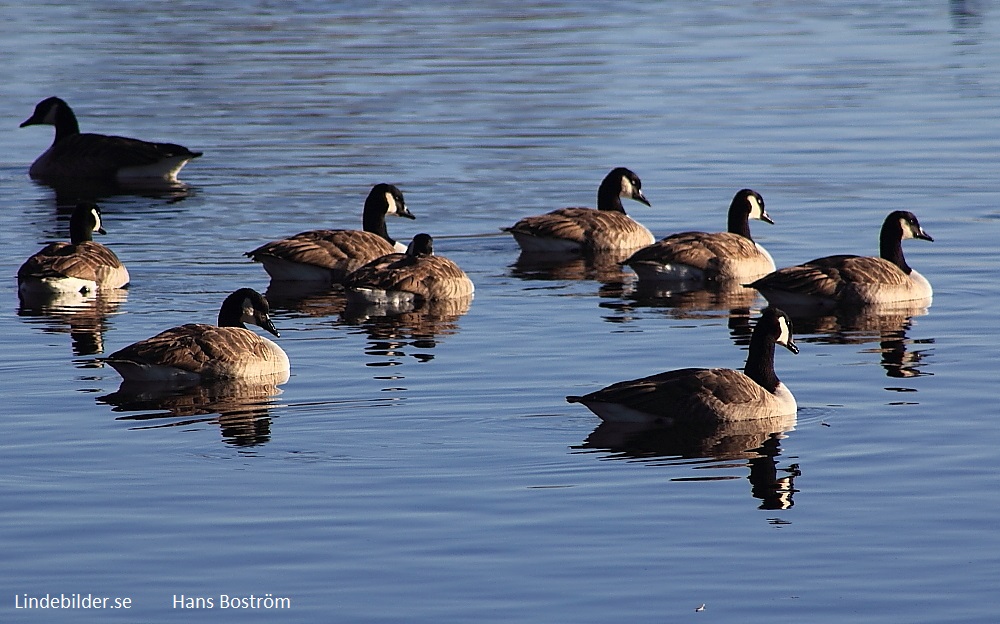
(603, 267)
(678, 301)
(968, 16)
(240, 408)
(900, 356)
(754, 445)
(408, 331)
(83, 317)
(306, 299)
(66, 194)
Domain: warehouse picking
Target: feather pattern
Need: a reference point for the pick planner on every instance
(331, 255)
(197, 351)
(707, 395)
(585, 229)
(417, 274)
(710, 257)
(854, 280)
(205, 351)
(99, 156)
(80, 265)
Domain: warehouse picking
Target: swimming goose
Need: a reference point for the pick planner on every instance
(100, 156)
(198, 351)
(330, 255)
(585, 229)
(414, 277)
(706, 395)
(710, 257)
(80, 265)
(854, 280)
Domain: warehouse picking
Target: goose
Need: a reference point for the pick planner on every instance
(100, 156)
(330, 255)
(195, 352)
(710, 257)
(79, 266)
(416, 276)
(575, 230)
(706, 395)
(834, 281)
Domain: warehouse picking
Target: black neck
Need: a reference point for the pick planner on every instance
(609, 197)
(760, 360)
(373, 219)
(890, 245)
(231, 317)
(80, 228)
(66, 124)
(739, 217)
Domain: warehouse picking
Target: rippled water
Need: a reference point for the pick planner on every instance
(426, 467)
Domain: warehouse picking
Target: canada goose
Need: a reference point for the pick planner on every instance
(330, 255)
(416, 276)
(710, 257)
(854, 280)
(80, 265)
(198, 351)
(709, 395)
(585, 229)
(100, 156)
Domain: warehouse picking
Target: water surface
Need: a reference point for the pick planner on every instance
(426, 467)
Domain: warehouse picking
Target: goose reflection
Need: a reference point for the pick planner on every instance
(241, 408)
(967, 14)
(604, 267)
(871, 324)
(715, 300)
(306, 299)
(754, 443)
(70, 192)
(399, 331)
(83, 316)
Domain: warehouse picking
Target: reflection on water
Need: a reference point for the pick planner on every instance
(393, 332)
(967, 14)
(68, 193)
(757, 442)
(306, 299)
(886, 326)
(604, 267)
(82, 316)
(241, 408)
(716, 300)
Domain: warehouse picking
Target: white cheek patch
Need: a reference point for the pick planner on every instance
(905, 228)
(248, 312)
(626, 187)
(97, 220)
(786, 332)
(391, 202)
(756, 210)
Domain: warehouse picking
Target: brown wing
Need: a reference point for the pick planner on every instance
(88, 261)
(99, 155)
(203, 349)
(330, 249)
(830, 276)
(698, 249)
(429, 277)
(871, 270)
(683, 392)
(595, 229)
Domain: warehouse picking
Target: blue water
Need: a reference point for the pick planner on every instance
(427, 468)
